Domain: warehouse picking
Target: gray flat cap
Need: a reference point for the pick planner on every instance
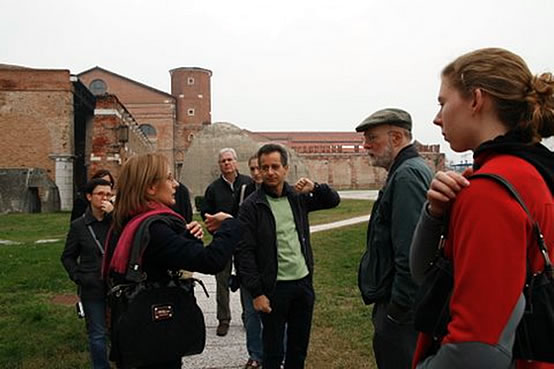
(393, 116)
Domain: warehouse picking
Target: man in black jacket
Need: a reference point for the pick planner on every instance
(275, 256)
(221, 195)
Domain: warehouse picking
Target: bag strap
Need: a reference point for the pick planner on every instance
(91, 231)
(540, 238)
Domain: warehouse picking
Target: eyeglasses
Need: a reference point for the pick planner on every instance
(102, 194)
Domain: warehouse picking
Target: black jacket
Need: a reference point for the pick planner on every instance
(182, 202)
(82, 257)
(169, 246)
(257, 251)
(220, 197)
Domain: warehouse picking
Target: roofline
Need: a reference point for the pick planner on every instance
(193, 69)
(127, 79)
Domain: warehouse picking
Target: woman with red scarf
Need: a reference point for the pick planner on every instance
(146, 188)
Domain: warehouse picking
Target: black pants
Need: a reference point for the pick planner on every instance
(292, 303)
(393, 343)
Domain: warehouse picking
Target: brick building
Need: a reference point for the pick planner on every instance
(43, 115)
(169, 120)
(56, 128)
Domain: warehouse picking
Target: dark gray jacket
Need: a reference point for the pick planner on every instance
(384, 274)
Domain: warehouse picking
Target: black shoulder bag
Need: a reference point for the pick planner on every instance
(152, 322)
(535, 332)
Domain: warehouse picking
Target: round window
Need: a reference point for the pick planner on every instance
(98, 87)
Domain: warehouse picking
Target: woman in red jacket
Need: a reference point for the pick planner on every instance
(490, 103)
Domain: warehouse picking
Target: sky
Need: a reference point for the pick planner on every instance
(288, 65)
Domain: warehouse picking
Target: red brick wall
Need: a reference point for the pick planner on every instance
(107, 151)
(36, 117)
(146, 105)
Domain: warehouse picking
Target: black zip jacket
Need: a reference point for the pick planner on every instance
(257, 251)
(220, 197)
(82, 257)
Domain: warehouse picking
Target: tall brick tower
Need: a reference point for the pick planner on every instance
(191, 88)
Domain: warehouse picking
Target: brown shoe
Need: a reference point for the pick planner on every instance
(253, 364)
(222, 329)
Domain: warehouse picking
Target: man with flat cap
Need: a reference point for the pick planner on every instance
(384, 275)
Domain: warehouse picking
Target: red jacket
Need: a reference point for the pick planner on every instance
(489, 238)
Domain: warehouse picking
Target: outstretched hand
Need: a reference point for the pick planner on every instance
(304, 185)
(444, 189)
(195, 229)
(213, 222)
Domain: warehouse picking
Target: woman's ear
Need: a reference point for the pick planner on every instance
(478, 100)
(151, 190)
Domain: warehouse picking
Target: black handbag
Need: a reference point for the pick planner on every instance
(151, 322)
(535, 333)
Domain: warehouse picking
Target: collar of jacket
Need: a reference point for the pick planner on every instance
(404, 154)
(286, 190)
(512, 143)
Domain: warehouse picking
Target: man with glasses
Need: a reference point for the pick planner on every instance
(82, 259)
(221, 195)
(384, 275)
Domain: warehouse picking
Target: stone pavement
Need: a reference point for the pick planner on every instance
(229, 352)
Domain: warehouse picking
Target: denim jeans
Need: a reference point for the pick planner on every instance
(253, 326)
(95, 316)
(292, 304)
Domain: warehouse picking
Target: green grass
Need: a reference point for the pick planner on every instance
(342, 330)
(347, 208)
(32, 227)
(38, 333)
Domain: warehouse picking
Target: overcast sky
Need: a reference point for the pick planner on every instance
(298, 65)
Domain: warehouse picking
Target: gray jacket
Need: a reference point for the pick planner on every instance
(384, 273)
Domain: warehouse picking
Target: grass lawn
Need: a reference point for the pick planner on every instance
(37, 332)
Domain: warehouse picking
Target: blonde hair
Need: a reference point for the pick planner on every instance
(137, 175)
(522, 101)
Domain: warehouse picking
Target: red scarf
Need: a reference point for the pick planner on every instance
(122, 251)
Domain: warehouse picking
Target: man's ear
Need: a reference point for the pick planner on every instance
(89, 197)
(396, 137)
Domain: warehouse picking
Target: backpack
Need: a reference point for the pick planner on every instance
(535, 332)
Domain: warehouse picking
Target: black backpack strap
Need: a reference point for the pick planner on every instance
(536, 228)
(141, 240)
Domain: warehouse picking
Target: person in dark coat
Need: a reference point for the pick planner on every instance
(147, 189)
(275, 257)
(221, 195)
(182, 202)
(82, 258)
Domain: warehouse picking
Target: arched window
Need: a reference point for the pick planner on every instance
(148, 130)
(98, 87)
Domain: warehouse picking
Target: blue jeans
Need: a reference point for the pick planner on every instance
(253, 325)
(292, 304)
(95, 316)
